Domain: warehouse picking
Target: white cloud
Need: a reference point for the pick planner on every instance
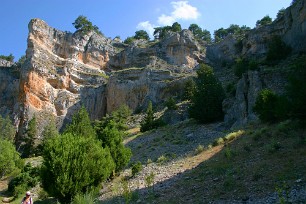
(165, 20)
(182, 10)
(147, 26)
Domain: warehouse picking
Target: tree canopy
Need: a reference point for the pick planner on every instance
(141, 34)
(266, 20)
(200, 33)
(84, 25)
(235, 30)
(207, 99)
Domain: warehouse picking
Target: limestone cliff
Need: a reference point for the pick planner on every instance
(65, 70)
(175, 52)
(136, 87)
(62, 72)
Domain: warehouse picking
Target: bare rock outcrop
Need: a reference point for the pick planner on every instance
(137, 86)
(176, 50)
(9, 90)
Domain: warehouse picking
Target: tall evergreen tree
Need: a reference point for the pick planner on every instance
(112, 138)
(30, 136)
(207, 99)
(81, 124)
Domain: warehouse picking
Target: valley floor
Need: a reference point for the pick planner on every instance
(192, 163)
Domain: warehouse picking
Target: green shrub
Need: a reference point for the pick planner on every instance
(9, 58)
(264, 21)
(136, 168)
(271, 107)
(9, 158)
(207, 100)
(72, 164)
(149, 121)
(171, 104)
(119, 117)
(8, 131)
(28, 178)
(241, 66)
(129, 40)
(189, 89)
(296, 89)
(111, 138)
(199, 149)
(277, 49)
(231, 89)
(87, 197)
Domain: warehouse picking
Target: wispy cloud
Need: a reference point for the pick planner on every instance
(182, 10)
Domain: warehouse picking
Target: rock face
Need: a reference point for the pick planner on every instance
(65, 70)
(175, 51)
(291, 27)
(9, 89)
(136, 87)
(62, 72)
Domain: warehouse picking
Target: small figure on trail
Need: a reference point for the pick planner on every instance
(27, 199)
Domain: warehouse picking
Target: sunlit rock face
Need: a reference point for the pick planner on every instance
(62, 72)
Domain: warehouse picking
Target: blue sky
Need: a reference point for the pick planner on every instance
(123, 18)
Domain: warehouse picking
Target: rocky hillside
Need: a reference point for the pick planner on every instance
(65, 70)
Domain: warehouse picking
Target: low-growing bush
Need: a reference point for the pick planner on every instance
(28, 178)
(270, 107)
(136, 168)
(277, 49)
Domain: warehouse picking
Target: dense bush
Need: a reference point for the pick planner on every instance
(207, 100)
(200, 33)
(9, 58)
(81, 124)
(119, 117)
(141, 34)
(28, 178)
(72, 164)
(129, 40)
(171, 104)
(162, 32)
(266, 20)
(136, 168)
(189, 89)
(277, 49)
(296, 89)
(242, 65)
(9, 158)
(234, 30)
(271, 107)
(111, 138)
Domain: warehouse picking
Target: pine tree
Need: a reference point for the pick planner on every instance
(81, 124)
(148, 122)
(207, 99)
(112, 138)
(30, 136)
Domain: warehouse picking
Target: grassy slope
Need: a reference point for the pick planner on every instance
(251, 166)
